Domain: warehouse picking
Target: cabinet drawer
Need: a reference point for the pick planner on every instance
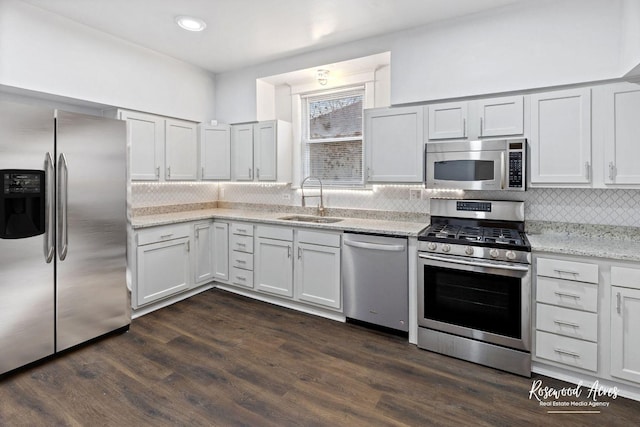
(319, 238)
(161, 234)
(566, 293)
(242, 277)
(242, 243)
(277, 233)
(242, 228)
(568, 270)
(627, 277)
(567, 322)
(568, 351)
(242, 260)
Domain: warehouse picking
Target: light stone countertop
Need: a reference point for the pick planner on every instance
(617, 243)
(358, 225)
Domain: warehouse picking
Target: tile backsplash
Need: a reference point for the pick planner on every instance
(586, 206)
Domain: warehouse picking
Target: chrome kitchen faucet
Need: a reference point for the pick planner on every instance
(321, 210)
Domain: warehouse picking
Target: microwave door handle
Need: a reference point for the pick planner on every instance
(503, 168)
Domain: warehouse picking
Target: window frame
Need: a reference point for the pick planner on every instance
(305, 139)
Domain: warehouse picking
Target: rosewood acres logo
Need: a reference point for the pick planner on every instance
(578, 399)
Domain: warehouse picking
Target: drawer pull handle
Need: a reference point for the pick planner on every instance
(568, 353)
(564, 294)
(562, 322)
(241, 261)
(560, 272)
(242, 230)
(241, 244)
(241, 278)
(166, 236)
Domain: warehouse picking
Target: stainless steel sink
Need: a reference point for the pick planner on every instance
(313, 219)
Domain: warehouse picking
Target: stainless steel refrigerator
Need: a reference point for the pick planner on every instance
(63, 231)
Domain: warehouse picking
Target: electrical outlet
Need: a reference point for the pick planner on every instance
(286, 196)
(415, 194)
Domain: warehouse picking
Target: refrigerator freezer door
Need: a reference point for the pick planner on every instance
(26, 279)
(91, 292)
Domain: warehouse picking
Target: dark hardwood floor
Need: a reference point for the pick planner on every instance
(224, 360)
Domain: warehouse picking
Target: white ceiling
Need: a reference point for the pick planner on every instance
(240, 33)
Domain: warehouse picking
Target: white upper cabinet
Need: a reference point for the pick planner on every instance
(447, 121)
(215, 152)
(560, 140)
(265, 151)
(181, 150)
(621, 118)
(261, 151)
(394, 139)
(242, 152)
(161, 148)
(501, 116)
(482, 118)
(146, 136)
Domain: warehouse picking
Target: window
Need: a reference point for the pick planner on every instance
(332, 136)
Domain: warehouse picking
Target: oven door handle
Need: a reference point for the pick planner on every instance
(475, 264)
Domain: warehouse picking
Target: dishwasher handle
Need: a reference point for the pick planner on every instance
(375, 246)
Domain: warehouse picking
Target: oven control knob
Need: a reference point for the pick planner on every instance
(511, 255)
(494, 253)
(468, 250)
(446, 248)
(431, 246)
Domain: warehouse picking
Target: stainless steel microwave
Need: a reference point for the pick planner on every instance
(476, 165)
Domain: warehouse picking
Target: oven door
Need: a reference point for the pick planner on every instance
(465, 170)
(483, 300)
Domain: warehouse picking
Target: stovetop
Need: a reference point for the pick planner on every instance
(473, 234)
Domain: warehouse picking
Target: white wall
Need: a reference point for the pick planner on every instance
(236, 99)
(535, 44)
(532, 45)
(44, 52)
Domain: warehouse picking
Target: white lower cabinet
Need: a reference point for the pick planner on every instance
(274, 261)
(163, 263)
(241, 253)
(567, 312)
(317, 269)
(301, 265)
(220, 250)
(625, 323)
(203, 248)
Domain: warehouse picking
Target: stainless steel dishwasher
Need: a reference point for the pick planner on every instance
(375, 280)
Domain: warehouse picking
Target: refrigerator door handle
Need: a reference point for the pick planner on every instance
(50, 219)
(63, 231)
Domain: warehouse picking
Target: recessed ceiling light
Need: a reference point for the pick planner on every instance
(190, 23)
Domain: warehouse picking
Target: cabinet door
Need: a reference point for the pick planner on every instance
(242, 152)
(622, 141)
(215, 152)
(221, 250)
(265, 151)
(163, 270)
(181, 148)
(501, 116)
(146, 137)
(561, 137)
(317, 272)
(394, 141)
(273, 265)
(447, 121)
(203, 252)
(625, 334)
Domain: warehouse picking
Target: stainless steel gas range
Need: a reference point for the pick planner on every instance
(474, 283)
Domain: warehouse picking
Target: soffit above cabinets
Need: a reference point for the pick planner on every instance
(240, 33)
